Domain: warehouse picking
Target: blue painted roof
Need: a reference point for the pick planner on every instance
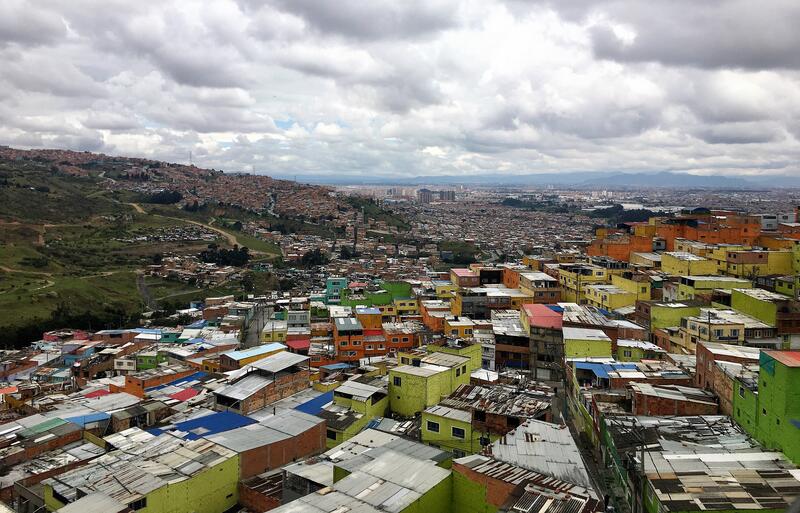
(335, 366)
(601, 369)
(255, 351)
(185, 379)
(314, 406)
(208, 425)
(82, 420)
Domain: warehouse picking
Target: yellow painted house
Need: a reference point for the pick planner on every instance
(406, 306)
(586, 343)
(460, 327)
(274, 331)
(574, 278)
(690, 286)
(608, 297)
(685, 264)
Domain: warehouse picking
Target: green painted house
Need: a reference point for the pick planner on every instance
(586, 343)
(451, 429)
(667, 315)
(770, 410)
(354, 405)
(412, 388)
(146, 360)
(638, 350)
(460, 348)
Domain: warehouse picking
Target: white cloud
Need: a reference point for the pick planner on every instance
(293, 87)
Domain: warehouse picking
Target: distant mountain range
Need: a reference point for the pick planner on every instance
(589, 180)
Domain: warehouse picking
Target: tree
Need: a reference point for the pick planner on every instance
(314, 257)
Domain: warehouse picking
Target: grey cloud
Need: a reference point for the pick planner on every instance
(739, 133)
(25, 23)
(717, 34)
(377, 19)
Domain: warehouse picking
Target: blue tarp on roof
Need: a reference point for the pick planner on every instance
(601, 369)
(207, 425)
(82, 420)
(555, 308)
(202, 323)
(314, 406)
(335, 366)
(185, 379)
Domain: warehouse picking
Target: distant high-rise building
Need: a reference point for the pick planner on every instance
(447, 195)
(424, 196)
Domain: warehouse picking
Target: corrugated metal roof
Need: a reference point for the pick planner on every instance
(255, 351)
(205, 426)
(279, 362)
(545, 448)
(245, 387)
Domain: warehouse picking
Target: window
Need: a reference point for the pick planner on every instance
(356, 342)
(433, 426)
(627, 353)
(458, 433)
(343, 343)
(464, 369)
(331, 434)
(138, 504)
(397, 381)
(458, 372)
(644, 290)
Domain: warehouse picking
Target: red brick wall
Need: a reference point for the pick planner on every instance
(255, 501)
(497, 492)
(269, 457)
(282, 387)
(657, 406)
(136, 386)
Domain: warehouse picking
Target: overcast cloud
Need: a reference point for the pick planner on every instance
(405, 88)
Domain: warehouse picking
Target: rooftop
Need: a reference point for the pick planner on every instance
(788, 358)
(545, 448)
(255, 351)
(585, 334)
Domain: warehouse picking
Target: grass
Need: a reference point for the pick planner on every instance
(25, 298)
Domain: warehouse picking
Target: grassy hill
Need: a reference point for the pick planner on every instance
(71, 248)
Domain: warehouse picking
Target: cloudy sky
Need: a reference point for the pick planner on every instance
(409, 87)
